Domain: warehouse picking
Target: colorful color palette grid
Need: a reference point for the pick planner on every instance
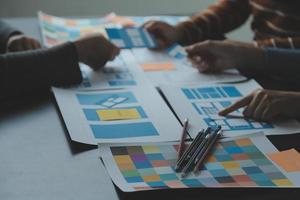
(237, 163)
(57, 30)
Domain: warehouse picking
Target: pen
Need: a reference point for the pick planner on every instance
(189, 166)
(187, 154)
(182, 140)
(201, 158)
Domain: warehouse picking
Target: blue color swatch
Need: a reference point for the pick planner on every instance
(124, 130)
(97, 99)
(211, 92)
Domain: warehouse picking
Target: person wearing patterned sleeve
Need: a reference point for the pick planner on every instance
(25, 67)
(276, 23)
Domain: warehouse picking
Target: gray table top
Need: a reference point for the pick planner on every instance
(36, 158)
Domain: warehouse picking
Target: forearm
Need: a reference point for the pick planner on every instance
(286, 43)
(5, 32)
(38, 70)
(283, 61)
(214, 22)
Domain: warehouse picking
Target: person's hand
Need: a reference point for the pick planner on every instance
(216, 56)
(21, 43)
(95, 51)
(164, 34)
(266, 105)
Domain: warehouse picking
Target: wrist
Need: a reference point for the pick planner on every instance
(78, 48)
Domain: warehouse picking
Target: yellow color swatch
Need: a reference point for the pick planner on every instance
(230, 164)
(166, 66)
(283, 182)
(122, 114)
(288, 160)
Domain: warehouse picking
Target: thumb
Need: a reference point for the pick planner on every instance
(199, 49)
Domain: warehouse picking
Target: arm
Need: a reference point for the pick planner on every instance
(5, 33)
(287, 43)
(285, 63)
(212, 23)
(31, 71)
(37, 70)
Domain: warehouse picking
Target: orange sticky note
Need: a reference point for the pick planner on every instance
(166, 66)
(121, 20)
(288, 160)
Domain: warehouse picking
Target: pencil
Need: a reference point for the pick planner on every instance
(182, 140)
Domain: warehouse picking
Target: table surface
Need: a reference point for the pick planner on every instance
(39, 161)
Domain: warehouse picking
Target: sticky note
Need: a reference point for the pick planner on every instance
(288, 160)
(122, 114)
(121, 20)
(166, 66)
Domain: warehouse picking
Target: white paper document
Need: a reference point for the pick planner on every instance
(177, 69)
(123, 72)
(201, 104)
(123, 115)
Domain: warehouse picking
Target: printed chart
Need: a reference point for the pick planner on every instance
(241, 162)
(117, 116)
(201, 104)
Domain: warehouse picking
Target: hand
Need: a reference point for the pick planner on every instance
(216, 56)
(21, 43)
(265, 105)
(164, 34)
(95, 51)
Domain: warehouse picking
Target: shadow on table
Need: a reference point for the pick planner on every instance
(214, 194)
(75, 147)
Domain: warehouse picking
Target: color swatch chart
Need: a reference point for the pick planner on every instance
(233, 163)
(130, 37)
(56, 30)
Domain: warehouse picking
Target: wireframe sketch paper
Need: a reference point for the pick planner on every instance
(173, 67)
(234, 162)
(123, 72)
(112, 116)
(201, 104)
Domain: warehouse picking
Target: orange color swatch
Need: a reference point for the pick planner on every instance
(121, 20)
(288, 160)
(166, 66)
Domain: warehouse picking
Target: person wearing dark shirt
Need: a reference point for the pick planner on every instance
(27, 68)
(262, 104)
